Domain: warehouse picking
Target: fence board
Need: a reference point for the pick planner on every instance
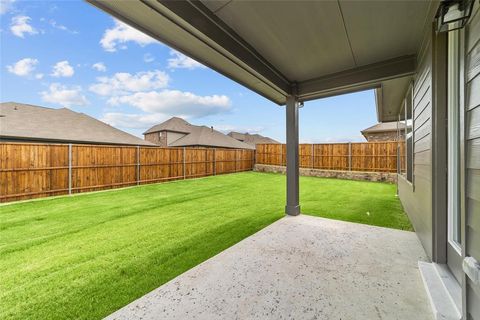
(39, 170)
(358, 156)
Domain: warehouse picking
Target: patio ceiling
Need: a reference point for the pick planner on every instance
(315, 48)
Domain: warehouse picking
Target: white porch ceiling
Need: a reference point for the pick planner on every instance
(315, 48)
(309, 39)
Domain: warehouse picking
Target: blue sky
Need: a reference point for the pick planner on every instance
(70, 54)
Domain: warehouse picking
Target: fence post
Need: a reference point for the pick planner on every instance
(184, 155)
(398, 159)
(236, 156)
(206, 161)
(214, 161)
(69, 168)
(349, 156)
(138, 165)
(313, 156)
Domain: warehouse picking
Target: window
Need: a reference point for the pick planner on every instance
(405, 136)
(453, 140)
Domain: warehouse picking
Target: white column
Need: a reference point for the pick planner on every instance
(292, 207)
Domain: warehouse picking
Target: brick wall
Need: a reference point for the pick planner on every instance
(338, 174)
(156, 138)
(383, 136)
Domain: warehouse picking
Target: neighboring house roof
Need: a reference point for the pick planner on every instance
(197, 135)
(175, 124)
(384, 127)
(205, 136)
(252, 139)
(29, 122)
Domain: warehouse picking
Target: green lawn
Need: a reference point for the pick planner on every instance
(85, 256)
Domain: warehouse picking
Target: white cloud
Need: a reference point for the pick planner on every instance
(39, 76)
(6, 5)
(133, 121)
(20, 25)
(99, 66)
(174, 102)
(181, 61)
(23, 67)
(122, 33)
(56, 25)
(62, 69)
(124, 83)
(64, 96)
(147, 57)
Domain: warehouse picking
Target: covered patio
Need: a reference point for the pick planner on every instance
(291, 52)
(299, 268)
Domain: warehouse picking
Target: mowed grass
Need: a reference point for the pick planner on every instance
(85, 256)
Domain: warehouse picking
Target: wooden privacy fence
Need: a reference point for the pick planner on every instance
(354, 156)
(39, 170)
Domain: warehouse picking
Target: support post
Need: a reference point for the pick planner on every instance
(292, 207)
(349, 156)
(69, 168)
(184, 156)
(138, 165)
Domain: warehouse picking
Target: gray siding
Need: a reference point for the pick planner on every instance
(472, 153)
(417, 199)
(174, 136)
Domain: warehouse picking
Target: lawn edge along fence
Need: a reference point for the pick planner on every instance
(384, 156)
(31, 170)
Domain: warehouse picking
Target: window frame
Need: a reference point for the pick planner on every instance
(408, 130)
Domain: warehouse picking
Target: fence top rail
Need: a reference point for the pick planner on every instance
(334, 143)
(117, 146)
(66, 144)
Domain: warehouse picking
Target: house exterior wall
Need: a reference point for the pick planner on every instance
(155, 137)
(472, 153)
(417, 200)
(163, 138)
(383, 136)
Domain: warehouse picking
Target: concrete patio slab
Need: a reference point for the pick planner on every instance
(299, 268)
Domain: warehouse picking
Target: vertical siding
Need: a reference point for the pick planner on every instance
(472, 150)
(417, 201)
(174, 136)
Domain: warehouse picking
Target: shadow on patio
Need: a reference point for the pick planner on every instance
(299, 268)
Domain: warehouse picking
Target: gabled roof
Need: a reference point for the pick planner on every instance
(252, 139)
(384, 127)
(30, 122)
(205, 136)
(197, 135)
(175, 124)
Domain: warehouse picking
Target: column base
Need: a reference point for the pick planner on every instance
(292, 210)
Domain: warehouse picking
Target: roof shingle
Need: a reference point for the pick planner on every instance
(30, 122)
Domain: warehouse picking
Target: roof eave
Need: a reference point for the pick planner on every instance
(55, 140)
